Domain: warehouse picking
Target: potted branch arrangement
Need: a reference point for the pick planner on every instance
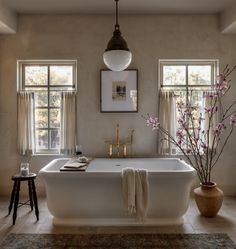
(203, 146)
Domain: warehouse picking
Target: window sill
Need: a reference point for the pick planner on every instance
(45, 154)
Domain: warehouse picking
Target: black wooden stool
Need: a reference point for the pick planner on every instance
(16, 193)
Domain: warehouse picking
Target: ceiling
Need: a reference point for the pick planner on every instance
(125, 6)
(9, 9)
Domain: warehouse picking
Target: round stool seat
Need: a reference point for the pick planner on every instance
(24, 178)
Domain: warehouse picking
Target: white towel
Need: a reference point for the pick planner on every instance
(141, 193)
(135, 191)
(128, 189)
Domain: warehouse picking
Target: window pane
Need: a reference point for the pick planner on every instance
(41, 118)
(36, 75)
(41, 137)
(180, 105)
(196, 101)
(55, 118)
(174, 75)
(61, 75)
(41, 99)
(196, 98)
(55, 99)
(199, 75)
(55, 139)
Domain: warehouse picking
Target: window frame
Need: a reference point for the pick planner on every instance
(214, 63)
(21, 86)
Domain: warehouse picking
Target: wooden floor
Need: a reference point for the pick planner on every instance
(26, 222)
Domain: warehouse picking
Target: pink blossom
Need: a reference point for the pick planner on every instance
(221, 85)
(211, 95)
(219, 129)
(220, 78)
(233, 119)
(153, 121)
(179, 133)
(188, 112)
(180, 104)
(180, 136)
(183, 124)
(204, 145)
(211, 109)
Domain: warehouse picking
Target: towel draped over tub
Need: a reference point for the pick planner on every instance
(135, 189)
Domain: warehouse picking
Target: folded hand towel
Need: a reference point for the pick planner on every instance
(141, 193)
(135, 188)
(128, 187)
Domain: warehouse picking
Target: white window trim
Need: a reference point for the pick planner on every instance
(20, 87)
(185, 62)
(22, 63)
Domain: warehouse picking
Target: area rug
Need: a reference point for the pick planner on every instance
(118, 241)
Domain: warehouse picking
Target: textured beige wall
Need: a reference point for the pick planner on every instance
(84, 38)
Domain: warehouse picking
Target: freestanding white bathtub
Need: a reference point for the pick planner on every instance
(94, 197)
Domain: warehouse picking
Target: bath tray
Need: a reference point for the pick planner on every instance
(73, 165)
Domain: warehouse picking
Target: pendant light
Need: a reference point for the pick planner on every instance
(117, 56)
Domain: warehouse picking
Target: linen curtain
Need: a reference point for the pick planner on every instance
(25, 122)
(167, 117)
(68, 122)
(207, 104)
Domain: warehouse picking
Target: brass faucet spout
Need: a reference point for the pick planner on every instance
(121, 147)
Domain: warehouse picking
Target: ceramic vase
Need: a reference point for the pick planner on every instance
(209, 199)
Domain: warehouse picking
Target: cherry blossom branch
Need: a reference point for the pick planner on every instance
(222, 148)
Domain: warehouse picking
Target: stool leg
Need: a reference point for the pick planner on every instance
(35, 200)
(30, 194)
(16, 201)
(13, 193)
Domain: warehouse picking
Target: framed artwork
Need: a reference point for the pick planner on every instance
(119, 91)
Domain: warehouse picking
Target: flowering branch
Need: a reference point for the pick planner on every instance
(197, 141)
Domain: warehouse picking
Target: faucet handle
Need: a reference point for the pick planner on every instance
(125, 150)
(129, 139)
(110, 150)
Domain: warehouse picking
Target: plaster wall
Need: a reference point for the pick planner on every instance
(149, 37)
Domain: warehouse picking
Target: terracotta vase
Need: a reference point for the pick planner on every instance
(209, 199)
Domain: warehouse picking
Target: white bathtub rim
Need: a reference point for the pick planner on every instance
(189, 169)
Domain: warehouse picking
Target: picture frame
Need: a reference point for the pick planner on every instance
(119, 91)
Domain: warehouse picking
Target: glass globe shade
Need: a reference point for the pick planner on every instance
(117, 60)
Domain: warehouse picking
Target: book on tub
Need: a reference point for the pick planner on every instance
(74, 165)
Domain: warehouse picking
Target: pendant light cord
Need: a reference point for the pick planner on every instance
(117, 24)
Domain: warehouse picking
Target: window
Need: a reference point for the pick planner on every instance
(188, 80)
(47, 79)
